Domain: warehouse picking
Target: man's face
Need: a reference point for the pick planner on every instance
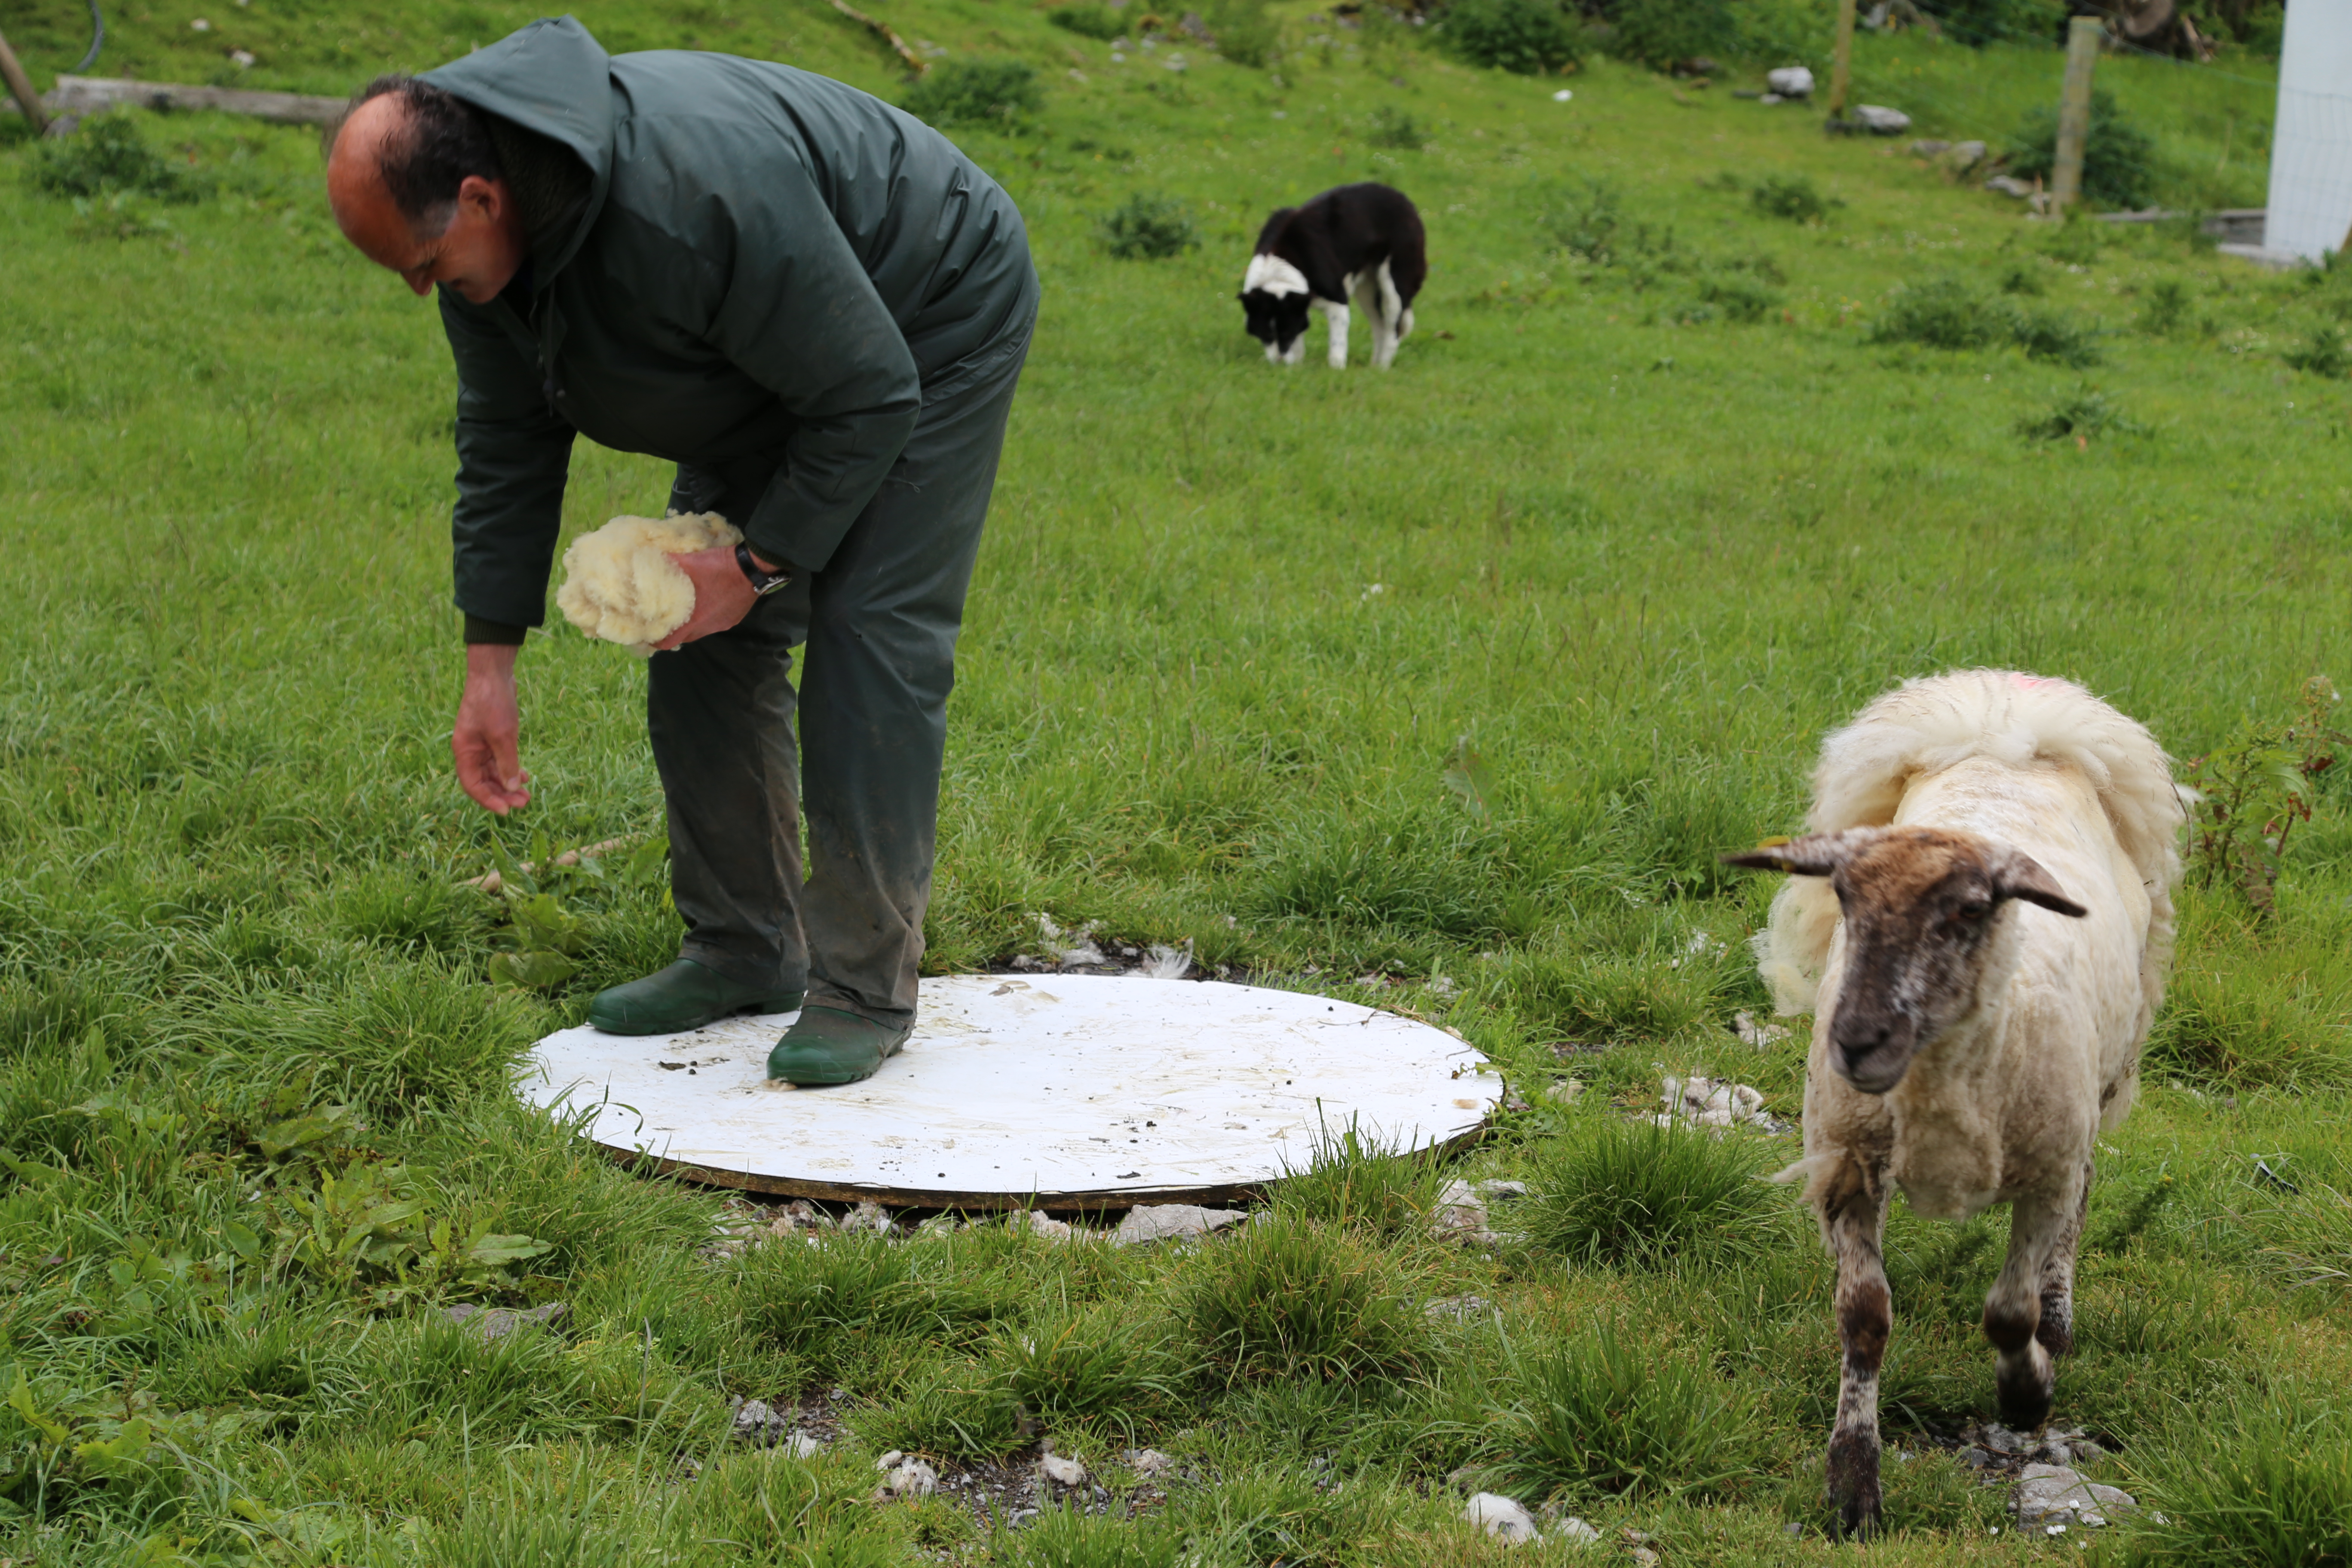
(478, 253)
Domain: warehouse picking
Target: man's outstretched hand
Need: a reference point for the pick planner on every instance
(722, 596)
(486, 740)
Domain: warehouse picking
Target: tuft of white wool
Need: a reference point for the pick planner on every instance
(1929, 725)
(620, 584)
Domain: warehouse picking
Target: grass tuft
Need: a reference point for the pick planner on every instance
(1293, 1298)
(1617, 1191)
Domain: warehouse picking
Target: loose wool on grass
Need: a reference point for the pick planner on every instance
(620, 584)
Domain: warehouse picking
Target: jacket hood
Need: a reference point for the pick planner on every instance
(553, 78)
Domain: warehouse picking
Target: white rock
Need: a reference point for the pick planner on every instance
(1755, 1032)
(1492, 1191)
(758, 1421)
(800, 1446)
(2009, 185)
(890, 1461)
(1564, 1090)
(1062, 1470)
(1710, 1102)
(1575, 1531)
(1461, 1308)
(1501, 1518)
(1148, 1462)
(1158, 1222)
(1460, 1215)
(2054, 1497)
(1967, 155)
(909, 1478)
(1881, 120)
(1562, 96)
(868, 1216)
(1790, 81)
(1034, 1221)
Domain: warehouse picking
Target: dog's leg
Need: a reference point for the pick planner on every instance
(1394, 320)
(1334, 313)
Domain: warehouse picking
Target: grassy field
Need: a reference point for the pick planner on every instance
(1459, 677)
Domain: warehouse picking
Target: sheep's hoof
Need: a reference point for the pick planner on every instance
(2025, 1399)
(1853, 1484)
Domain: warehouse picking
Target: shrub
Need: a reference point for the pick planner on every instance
(1980, 22)
(1789, 196)
(1942, 313)
(1658, 33)
(1292, 1298)
(1148, 228)
(1602, 1413)
(1396, 128)
(1618, 1192)
(1741, 298)
(2167, 307)
(1090, 21)
(960, 1407)
(2057, 338)
(2085, 413)
(2322, 353)
(2020, 278)
(110, 158)
(2118, 158)
(976, 92)
(1246, 33)
(1529, 36)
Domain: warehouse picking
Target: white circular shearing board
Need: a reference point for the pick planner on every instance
(1071, 1090)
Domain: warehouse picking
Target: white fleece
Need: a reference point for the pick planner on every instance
(620, 584)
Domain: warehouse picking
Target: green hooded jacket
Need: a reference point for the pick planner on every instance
(769, 275)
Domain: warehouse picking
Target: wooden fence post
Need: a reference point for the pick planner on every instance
(2083, 35)
(1841, 60)
(20, 86)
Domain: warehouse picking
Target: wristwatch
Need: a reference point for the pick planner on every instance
(762, 583)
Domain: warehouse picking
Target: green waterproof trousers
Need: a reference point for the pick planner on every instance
(878, 629)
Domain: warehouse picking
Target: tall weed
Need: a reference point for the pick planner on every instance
(1616, 1191)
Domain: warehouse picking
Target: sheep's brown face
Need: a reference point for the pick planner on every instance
(1920, 906)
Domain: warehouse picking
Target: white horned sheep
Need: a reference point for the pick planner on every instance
(1982, 963)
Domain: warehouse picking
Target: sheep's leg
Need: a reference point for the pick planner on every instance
(1852, 1221)
(2056, 1330)
(2022, 1376)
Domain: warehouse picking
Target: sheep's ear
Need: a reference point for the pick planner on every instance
(2018, 875)
(1815, 855)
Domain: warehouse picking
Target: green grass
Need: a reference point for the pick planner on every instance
(1471, 670)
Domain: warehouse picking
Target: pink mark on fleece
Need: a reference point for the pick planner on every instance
(2027, 682)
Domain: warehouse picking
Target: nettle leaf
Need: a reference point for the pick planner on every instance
(20, 1400)
(539, 970)
(648, 863)
(113, 1456)
(540, 922)
(242, 1240)
(497, 1251)
(31, 1172)
(305, 1132)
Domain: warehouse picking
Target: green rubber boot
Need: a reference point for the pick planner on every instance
(827, 1044)
(684, 996)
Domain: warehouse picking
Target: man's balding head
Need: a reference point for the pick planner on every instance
(415, 186)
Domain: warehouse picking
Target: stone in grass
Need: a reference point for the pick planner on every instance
(869, 1215)
(904, 1476)
(1034, 1221)
(496, 1323)
(1461, 1308)
(1790, 81)
(1881, 120)
(1158, 1222)
(2050, 1495)
(1501, 1518)
(1148, 1462)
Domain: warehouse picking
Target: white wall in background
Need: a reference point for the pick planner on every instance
(2310, 151)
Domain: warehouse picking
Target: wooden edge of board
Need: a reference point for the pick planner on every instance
(1092, 1200)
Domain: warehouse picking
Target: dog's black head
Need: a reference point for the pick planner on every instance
(1277, 320)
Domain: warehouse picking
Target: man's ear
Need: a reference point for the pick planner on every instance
(2016, 875)
(1815, 855)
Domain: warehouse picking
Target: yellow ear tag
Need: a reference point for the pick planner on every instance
(1774, 842)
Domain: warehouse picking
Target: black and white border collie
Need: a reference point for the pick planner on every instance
(1363, 241)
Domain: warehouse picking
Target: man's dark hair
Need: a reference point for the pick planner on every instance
(441, 141)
